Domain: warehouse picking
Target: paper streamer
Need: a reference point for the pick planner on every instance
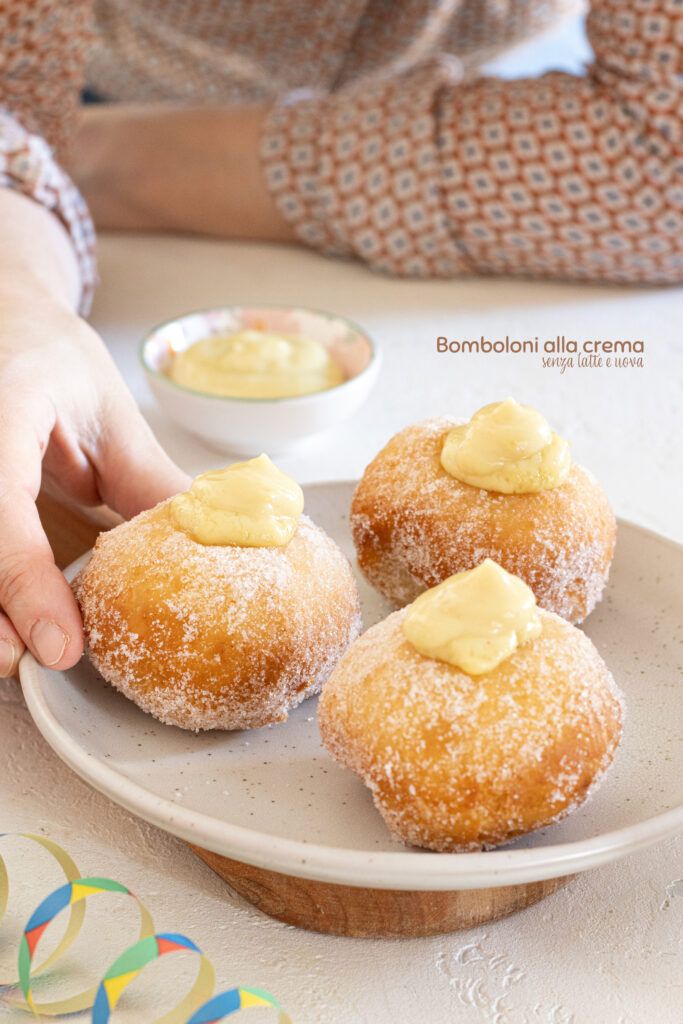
(67, 895)
(77, 914)
(226, 1003)
(134, 960)
(103, 997)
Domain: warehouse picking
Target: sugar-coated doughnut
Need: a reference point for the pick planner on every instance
(414, 525)
(215, 637)
(458, 762)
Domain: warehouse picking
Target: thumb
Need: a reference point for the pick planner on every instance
(39, 608)
(135, 473)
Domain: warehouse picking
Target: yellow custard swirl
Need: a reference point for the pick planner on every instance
(249, 504)
(507, 447)
(256, 364)
(473, 620)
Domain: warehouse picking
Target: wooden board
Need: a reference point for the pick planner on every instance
(71, 529)
(372, 913)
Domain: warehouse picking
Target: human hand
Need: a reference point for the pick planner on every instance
(65, 415)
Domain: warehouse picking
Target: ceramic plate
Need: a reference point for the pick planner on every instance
(273, 798)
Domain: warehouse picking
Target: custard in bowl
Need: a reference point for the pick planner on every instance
(248, 379)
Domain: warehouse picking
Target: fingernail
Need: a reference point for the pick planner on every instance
(8, 653)
(49, 641)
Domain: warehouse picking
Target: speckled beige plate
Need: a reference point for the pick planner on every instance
(273, 798)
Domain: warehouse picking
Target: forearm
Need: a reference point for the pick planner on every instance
(162, 168)
(37, 258)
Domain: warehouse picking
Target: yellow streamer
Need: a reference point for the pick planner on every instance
(131, 962)
(76, 916)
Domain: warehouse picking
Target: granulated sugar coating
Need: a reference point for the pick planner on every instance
(458, 762)
(209, 637)
(414, 525)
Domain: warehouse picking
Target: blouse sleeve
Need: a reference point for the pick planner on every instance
(43, 49)
(557, 176)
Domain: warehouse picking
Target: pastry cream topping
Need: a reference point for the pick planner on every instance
(473, 620)
(250, 504)
(256, 364)
(509, 448)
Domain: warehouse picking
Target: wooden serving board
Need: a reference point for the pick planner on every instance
(318, 906)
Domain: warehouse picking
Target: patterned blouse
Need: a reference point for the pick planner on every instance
(382, 141)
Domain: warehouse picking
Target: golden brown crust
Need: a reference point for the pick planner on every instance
(414, 525)
(215, 637)
(457, 762)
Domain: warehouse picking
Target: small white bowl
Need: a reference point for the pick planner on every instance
(248, 426)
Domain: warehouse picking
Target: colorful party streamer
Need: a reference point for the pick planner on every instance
(127, 967)
(66, 895)
(149, 946)
(77, 914)
(226, 1003)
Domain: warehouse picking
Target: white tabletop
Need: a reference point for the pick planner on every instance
(602, 951)
(604, 948)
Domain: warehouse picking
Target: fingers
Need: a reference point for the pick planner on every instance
(33, 593)
(11, 647)
(135, 472)
(150, 480)
(35, 597)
